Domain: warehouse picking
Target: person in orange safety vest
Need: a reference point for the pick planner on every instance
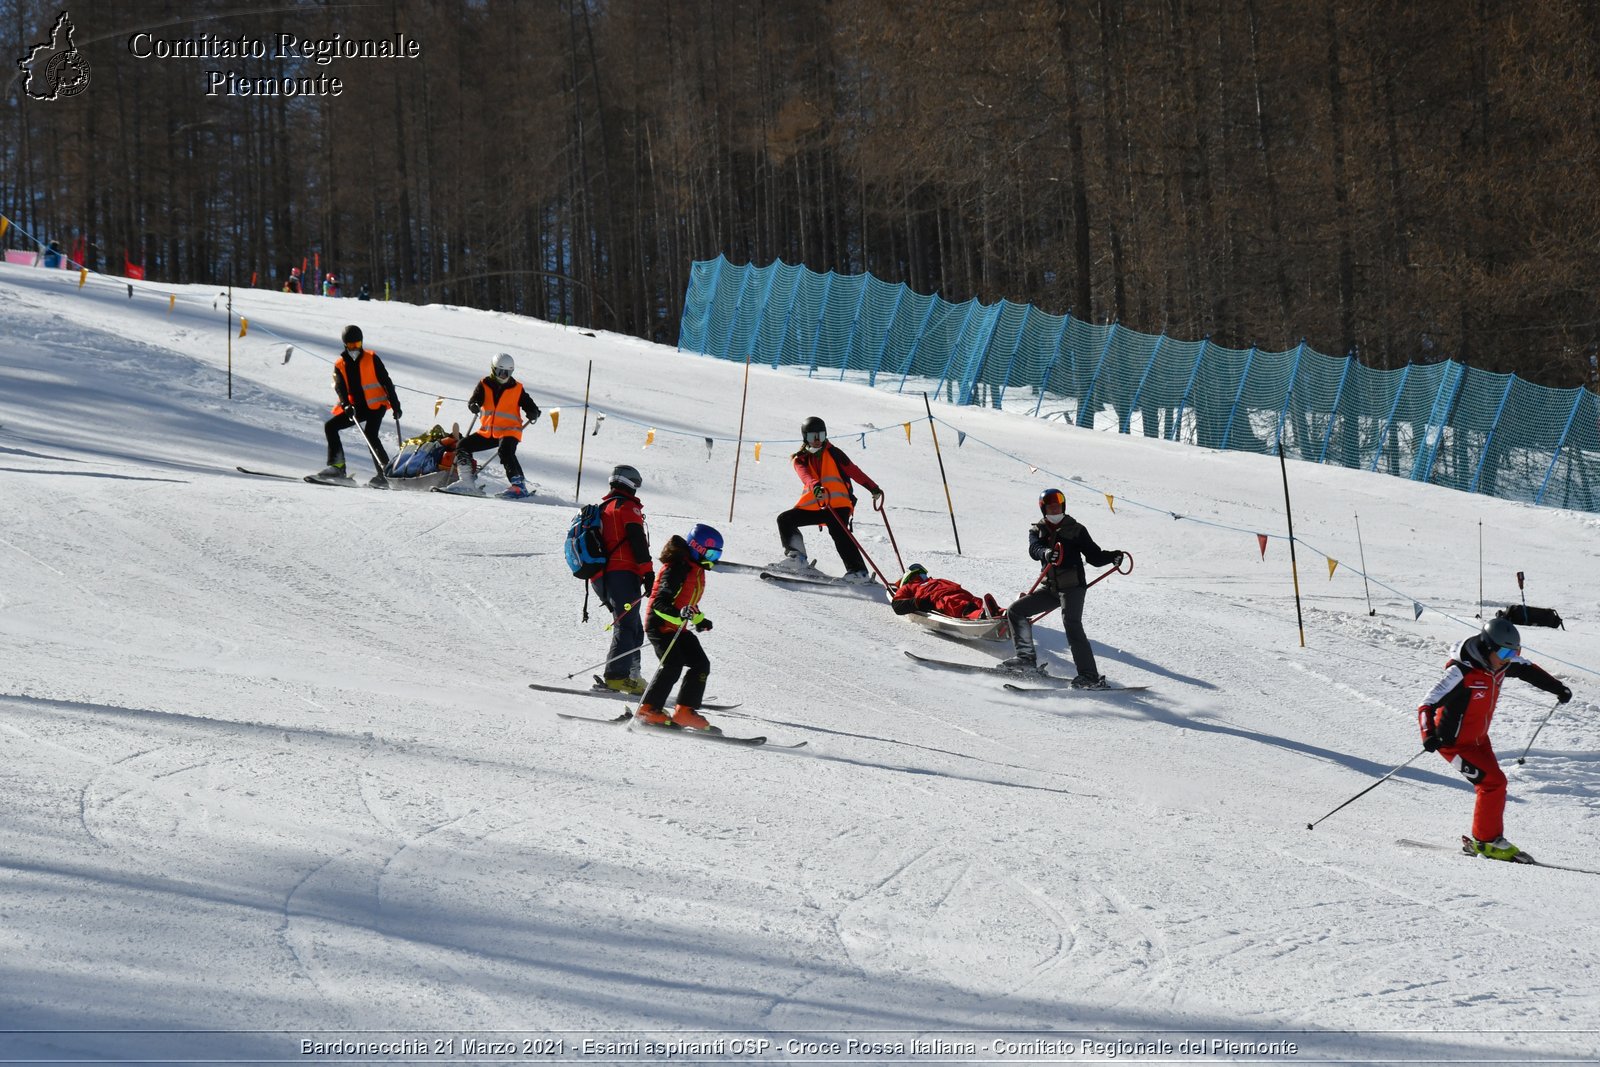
(828, 500)
(500, 402)
(365, 394)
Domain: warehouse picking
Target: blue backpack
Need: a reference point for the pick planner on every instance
(586, 552)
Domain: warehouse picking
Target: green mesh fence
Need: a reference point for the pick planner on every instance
(1442, 423)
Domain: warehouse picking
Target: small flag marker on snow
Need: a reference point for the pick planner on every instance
(1262, 540)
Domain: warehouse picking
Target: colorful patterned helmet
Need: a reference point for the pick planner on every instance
(705, 545)
(914, 573)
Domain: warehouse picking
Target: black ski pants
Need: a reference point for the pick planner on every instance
(1020, 614)
(369, 426)
(477, 442)
(685, 654)
(837, 520)
(615, 589)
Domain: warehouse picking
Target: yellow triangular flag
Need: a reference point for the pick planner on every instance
(1111, 503)
(650, 437)
(5, 224)
(171, 300)
(908, 433)
(555, 419)
(1332, 563)
(437, 404)
(244, 325)
(83, 276)
(758, 451)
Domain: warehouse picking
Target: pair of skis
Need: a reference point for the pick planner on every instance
(1063, 684)
(351, 483)
(1520, 858)
(673, 729)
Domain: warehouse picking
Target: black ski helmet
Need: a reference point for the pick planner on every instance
(1052, 496)
(814, 425)
(352, 334)
(625, 475)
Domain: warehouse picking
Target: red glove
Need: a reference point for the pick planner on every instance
(1430, 737)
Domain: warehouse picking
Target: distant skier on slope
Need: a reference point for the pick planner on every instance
(828, 500)
(501, 402)
(365, 392)
(1454, 719)
(675, 619)
(1062, 544)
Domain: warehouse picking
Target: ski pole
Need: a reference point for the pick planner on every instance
(1524, 757)
(607, 662)
(399, 438)
(850, 534)
(1370, 788)
(1127, 557)
(883, 513)
(371, 450)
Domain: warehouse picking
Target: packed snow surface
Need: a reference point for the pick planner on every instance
(272, 770)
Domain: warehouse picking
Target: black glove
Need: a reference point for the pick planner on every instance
(818, 491)
(1430, 741)
(1057, 553)
(1116, 558)
(703, 625)
(396, 408)
(474, 408)
(1563, 696)
(536, 413)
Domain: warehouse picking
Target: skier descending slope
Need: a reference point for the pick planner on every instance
(1455, 717)
(675, 619)
(828, 500)
(1061, 543)
(501, 402)
(365, 393)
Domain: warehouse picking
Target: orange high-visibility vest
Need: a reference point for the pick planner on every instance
(832, 480)
(501, 417)
(367, 372)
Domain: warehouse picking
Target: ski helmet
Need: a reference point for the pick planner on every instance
(814, 433)
(502, 367)
(628, 476)
(352, 334)
(1052, 498)
(705, 545)
(915, 572)
(1501, 639)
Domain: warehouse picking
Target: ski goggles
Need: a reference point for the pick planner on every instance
(816, 437)
(1506, 653)
(709, 556)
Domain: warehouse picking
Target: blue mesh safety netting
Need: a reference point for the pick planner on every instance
(1442, 423)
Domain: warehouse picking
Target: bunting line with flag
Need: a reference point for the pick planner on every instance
(244, 325)
(5, 224)
(758, 451)
(1416, 610)
(650, 437)
(555, 419)
(1333, 565)
(1111, 502)
(907, 427)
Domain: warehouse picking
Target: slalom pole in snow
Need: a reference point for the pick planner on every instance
(1370, 609)
(1294, 567)
(1524, 757)
(738, 448)
(948, 503)
(1370, 788)
(583, 433)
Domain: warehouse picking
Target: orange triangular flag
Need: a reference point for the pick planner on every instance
(555, 419)
(1111, 502)
(908, 433)
(171, 300)
(1263, 539)
(437, 404)
(244, 325)
(83, 276)
(5, 224)
(1332, 563)
(650, 437)
(758, 451)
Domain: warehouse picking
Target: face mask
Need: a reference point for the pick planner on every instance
(813, 449)
(1055, 520)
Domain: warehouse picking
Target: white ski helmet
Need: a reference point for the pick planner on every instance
(502, 367)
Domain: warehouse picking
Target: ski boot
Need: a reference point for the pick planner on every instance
(1498, 849)
(857, 578)
(517, 489)
(333, 471)
(633, 686)
(652, 715)
(688, 718)
(1019, 663)
(1090, 681)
